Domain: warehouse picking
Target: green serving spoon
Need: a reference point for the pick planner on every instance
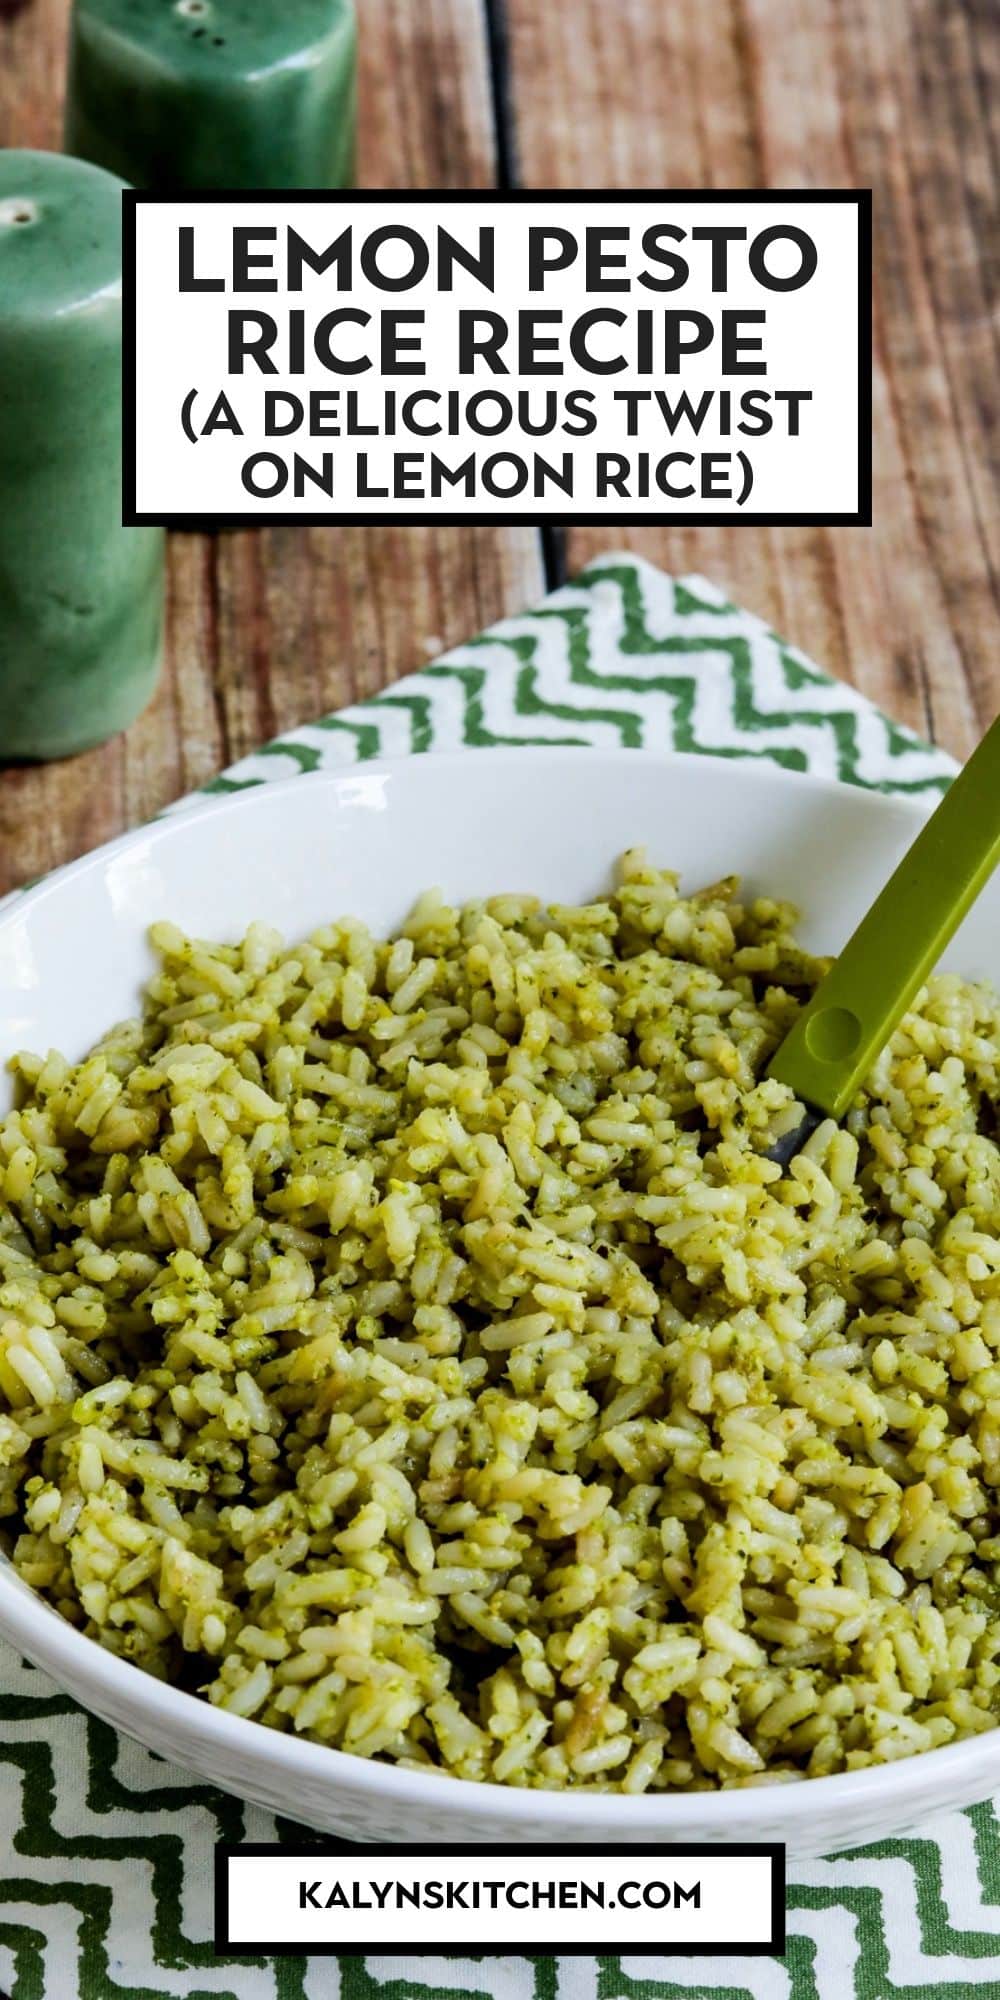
(827, 1054)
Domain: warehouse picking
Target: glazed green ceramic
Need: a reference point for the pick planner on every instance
(180, 94)
(860, 1003)
(81, 597)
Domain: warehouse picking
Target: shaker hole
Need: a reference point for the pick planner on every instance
(18, 212)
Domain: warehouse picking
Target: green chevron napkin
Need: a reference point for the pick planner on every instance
(106, 1870)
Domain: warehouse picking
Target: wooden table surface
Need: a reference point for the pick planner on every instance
(270, 627)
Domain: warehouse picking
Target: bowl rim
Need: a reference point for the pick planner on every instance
(88, 1674)
(758, 772)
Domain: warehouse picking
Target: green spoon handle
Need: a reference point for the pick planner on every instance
(855, 1009)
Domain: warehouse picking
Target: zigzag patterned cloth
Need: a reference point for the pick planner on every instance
(105, 1891)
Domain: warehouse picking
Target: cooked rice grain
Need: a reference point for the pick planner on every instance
(410, 1345)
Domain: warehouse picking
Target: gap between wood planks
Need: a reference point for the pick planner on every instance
(552, 539)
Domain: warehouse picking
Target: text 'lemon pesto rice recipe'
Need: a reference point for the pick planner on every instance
(409, 1344)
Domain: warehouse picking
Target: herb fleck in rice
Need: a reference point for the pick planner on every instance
(408, 1344)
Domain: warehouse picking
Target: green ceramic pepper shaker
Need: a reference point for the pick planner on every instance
(181, 94)
(81, 597)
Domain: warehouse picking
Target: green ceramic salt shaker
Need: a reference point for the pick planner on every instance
(81, 597)
(186, 94)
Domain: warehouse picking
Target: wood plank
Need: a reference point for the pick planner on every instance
(877, 93)
(266, 629)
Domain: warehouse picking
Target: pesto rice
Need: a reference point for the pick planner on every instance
(409, 1344)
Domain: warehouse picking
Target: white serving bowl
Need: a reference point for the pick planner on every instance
(73, 955)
